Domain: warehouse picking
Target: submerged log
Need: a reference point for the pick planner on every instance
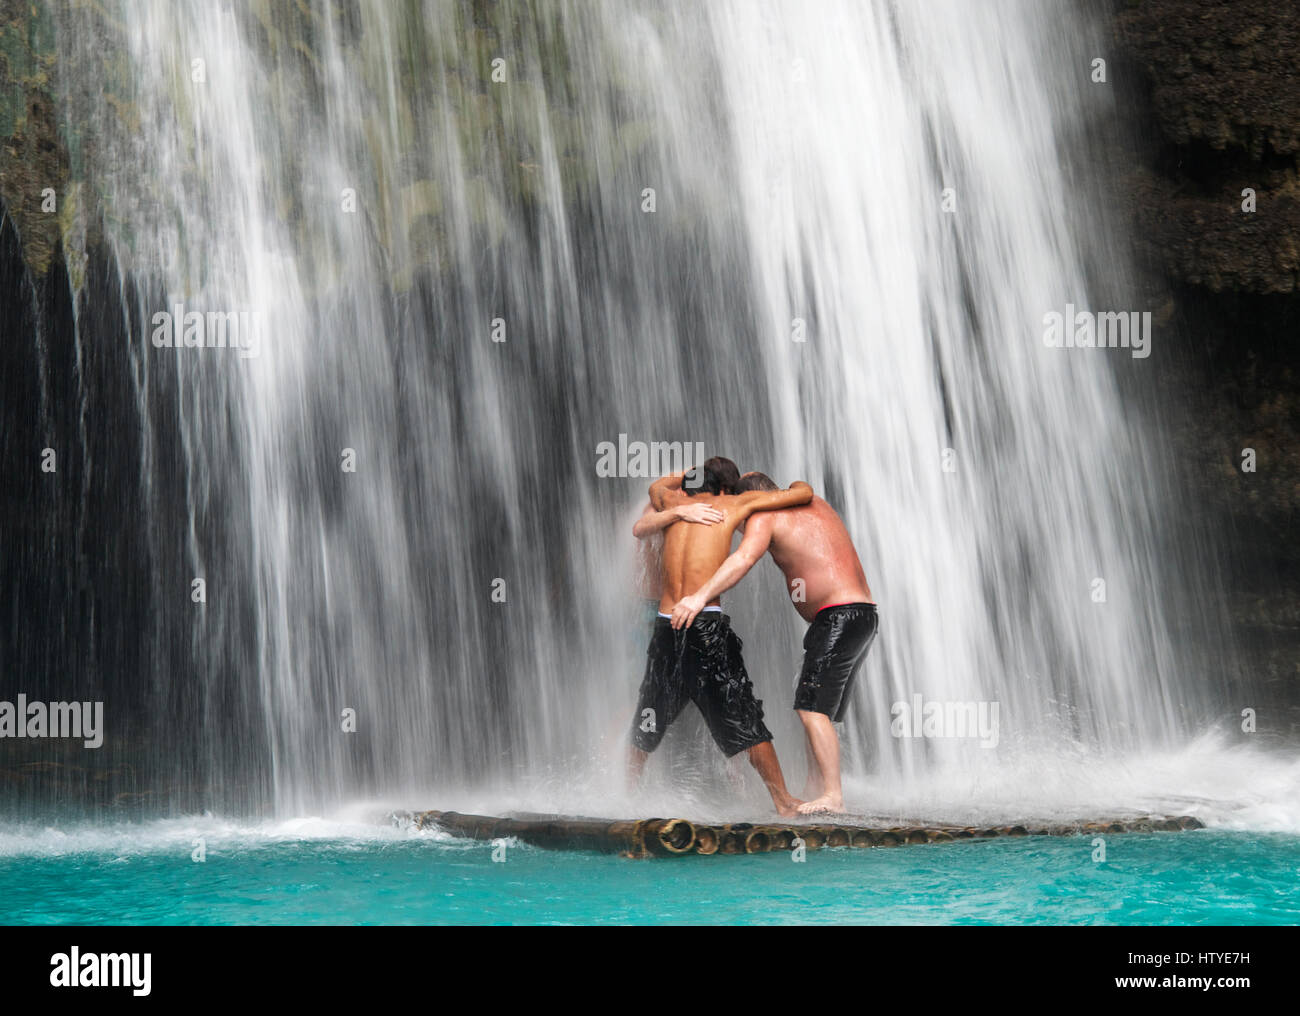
(628, 838)
(555, 833)
(837, 836)
(707, 839)
(676, 837)
(813, 837)
(746, 838)
(669, 837)
(732, 841)
(778, 837)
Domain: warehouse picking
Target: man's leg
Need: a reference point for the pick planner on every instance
(636, 760)
(763, 758)
(835, 645)
(725, 697)
(825, 749)
(658, 702)
(812, 785)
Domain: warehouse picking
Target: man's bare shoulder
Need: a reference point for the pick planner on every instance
(805, 511)
(824, 507)
(785, 525)
(819, 515)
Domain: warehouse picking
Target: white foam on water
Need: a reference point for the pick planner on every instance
(219, 835)
(1224, 785)
(1234, 787)
(1227, 787)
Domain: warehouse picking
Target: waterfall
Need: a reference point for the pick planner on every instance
(479, 240)
(905, 182)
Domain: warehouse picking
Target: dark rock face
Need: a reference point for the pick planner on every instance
(34, 163)
(1211, 243)
(1224, 97)
(1223, 72)
(1216, 96)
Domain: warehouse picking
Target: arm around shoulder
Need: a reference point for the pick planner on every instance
(799, 493)
(660, 488)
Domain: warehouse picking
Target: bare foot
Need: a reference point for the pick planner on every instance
(827, 802)
(791, 808)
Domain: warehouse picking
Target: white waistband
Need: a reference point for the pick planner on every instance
(705, 610)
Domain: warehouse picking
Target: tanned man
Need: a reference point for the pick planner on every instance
(829, 590)
(701, 661)
(648, 530)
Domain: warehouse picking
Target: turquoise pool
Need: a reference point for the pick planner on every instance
(313, 875)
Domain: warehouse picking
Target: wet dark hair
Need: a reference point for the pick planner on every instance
(756, 481)
(720, 476)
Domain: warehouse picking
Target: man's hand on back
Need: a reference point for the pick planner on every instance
(686, 608)
(702, 513)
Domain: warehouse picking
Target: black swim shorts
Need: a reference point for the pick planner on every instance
(833, 650)
(701, 664)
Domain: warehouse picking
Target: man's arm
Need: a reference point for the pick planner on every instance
(799, 493)
(758, 536)
(660, 488)
(652, 522)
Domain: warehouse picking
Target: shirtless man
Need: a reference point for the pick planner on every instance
(648, 530)
(702, 662)
(812, 547)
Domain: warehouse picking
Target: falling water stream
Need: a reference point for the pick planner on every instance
(481, 239)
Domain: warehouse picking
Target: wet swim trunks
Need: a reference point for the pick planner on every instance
(833, 650)
(646, 612)
(702, 664)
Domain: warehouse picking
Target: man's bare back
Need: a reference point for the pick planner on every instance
(691, 554)
(812, 548)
